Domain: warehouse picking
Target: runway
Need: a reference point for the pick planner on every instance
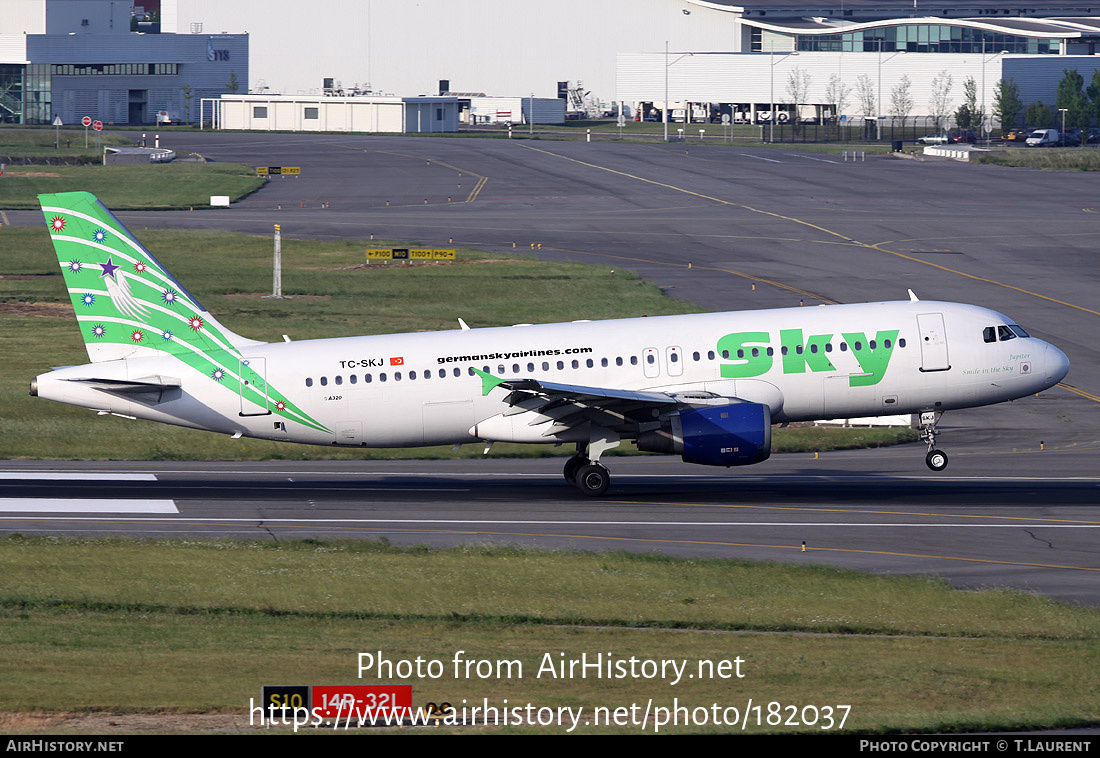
(729, 229)
(868, 510)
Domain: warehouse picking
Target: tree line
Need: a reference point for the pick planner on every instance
(1081, 101)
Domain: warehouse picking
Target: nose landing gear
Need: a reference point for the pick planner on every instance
(936, 459)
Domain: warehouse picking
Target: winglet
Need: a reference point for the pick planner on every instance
(913, 297)
(488, 381)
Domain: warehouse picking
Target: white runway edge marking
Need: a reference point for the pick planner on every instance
(82, 505)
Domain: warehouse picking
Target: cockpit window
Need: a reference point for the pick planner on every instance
(989, 334)
(1018, 331)
(1005, 333)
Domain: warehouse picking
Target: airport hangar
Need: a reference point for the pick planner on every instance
(721, 57)
(76, 58)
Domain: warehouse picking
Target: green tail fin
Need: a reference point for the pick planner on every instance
(126, 302)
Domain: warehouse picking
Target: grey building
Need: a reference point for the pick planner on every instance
(76, 58)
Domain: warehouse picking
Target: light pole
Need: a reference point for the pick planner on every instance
(1062, 137)
(667, 66)
(771, 71)
(985, 120)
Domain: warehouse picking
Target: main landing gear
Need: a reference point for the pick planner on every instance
(584, 471)
(936, 459)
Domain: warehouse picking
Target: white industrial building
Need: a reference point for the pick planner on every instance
(717, 56)
(748, 86)
(706, 58)
(363, 113)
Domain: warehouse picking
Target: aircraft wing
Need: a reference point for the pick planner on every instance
(568, 405)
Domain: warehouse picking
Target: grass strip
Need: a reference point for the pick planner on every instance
(159, 186)
(112, 625)
(1060, 159)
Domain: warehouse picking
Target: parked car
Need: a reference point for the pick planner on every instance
(1044, 138)
(1093, 136)
(1017, 135)
(939, 138)
(1071, 138)
(962, 135)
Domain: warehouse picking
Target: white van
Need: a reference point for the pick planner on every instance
(1044, 138)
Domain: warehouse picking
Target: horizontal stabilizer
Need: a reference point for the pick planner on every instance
(149, 389)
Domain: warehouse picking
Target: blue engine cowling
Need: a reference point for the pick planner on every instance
(726, 435)
(729, 435)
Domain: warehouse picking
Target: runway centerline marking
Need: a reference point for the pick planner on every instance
(264, 521)
(67, 476)
(854, 510)
(757, 157)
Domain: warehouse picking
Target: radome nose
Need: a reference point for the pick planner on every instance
(1057, 364)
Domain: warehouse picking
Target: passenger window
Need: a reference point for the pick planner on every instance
(650, 359)
(871, 344)
(353, 379)
(530, 367)
(545, 366)
(740, 353)
(324, 381)
(381, 377)
(458, 372)
(695, 355)
(515, 368)
(619, 361)
(674, 358)
(339, 380)
(603, 362)
(412, 375)
(726, 354)
(397, 376)
(901, 342)
(633, 360)
(589, 363)
(367, 378)
(561, 365)
(576, 364)
(309, 381)
(710, 355)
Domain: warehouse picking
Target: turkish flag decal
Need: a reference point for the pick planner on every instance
(397, 361)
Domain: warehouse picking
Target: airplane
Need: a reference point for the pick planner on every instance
(707, 387)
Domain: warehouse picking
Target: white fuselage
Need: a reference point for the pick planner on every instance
(419, 389)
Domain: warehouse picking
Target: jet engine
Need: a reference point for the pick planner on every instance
(726, 435)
